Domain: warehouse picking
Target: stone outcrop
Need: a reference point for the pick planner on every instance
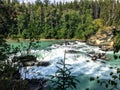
(29, 60)
(103, 38)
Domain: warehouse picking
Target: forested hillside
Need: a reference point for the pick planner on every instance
(70, 20)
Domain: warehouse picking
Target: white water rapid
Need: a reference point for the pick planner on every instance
(81, 62)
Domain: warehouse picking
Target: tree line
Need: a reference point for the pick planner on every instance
(58, 20)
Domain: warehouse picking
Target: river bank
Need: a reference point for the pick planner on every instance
(21, 39)
(103, 38)
(105, 44)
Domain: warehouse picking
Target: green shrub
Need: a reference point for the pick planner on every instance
(14, 85)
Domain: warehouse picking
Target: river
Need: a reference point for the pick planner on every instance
(83, 66)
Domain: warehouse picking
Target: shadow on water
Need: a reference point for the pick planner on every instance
(86, 83)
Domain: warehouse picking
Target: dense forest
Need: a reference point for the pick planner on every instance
(69, 20)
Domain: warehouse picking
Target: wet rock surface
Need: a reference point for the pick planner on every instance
(103, 39)
(30, 60)
(95, 56)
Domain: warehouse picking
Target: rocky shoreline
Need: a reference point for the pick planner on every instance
(103, 39)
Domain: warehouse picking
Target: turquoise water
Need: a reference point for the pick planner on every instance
(93, 85)
(23, 45)
(86, 83)
(113, 61)
(42, 44)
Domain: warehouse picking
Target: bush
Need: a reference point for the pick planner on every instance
(14, 85)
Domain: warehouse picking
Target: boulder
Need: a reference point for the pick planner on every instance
(43, 63)
(103, 38)
(94, 58)
(72, 51)
(100, 56)
(25, 58)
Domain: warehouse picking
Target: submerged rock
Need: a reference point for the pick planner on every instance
(103, 62)
(87, 61)
(111, 67)
(43, 63)
(72, 51)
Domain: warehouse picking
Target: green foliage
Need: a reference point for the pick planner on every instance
(109, 84)
(25, 56)
(42, 19)
(76, 19)
(63, 77)
(7, 70)
(4, 49)
(14, 85)
(117, 43)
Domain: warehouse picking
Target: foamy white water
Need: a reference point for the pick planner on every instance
(77, 60)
